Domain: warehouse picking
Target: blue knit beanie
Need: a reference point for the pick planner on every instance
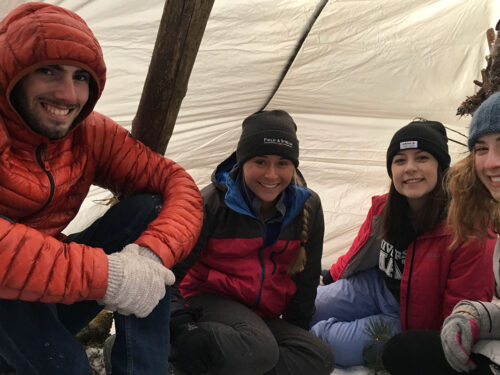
(486, 119)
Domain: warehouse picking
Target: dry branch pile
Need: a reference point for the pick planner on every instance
(490, 75)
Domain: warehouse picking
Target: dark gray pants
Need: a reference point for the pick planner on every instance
(253, 346)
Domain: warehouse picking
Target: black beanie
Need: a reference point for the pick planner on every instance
(429, 136)
(268, 133)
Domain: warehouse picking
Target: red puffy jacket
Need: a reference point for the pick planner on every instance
(434, 277)
(43, 182)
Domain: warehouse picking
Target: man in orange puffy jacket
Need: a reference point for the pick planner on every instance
(53, 146)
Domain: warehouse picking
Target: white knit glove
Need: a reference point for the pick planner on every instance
(136, 281)
(459, 333)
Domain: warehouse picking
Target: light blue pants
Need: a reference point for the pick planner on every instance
(346, 308)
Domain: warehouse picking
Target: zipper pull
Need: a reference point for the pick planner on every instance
(40, 157)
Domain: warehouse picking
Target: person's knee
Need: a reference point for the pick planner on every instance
(134, 213)
(344, 340)
(325, 358)
(263, 353)
(394, 353)
(147, 203)
(261, 360)
(245, 349)
(4, 366)
(267, 356)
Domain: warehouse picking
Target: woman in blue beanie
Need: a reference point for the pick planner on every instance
(252, 277)
(469, 341)
(399, 273)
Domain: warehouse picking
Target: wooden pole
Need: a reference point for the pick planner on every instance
(179, 36)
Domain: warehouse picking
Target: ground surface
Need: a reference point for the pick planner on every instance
(97, 364)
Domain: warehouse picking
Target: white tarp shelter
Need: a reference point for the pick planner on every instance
(366, 68)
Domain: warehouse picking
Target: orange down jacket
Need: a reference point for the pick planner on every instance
(43, 182)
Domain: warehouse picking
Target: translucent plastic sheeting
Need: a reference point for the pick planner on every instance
(389, 59)
(365, 69)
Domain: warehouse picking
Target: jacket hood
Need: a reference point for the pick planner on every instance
(39, 34)
(223, 170)
(224, 178)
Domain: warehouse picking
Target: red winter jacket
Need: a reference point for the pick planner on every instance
(232, 259)
(434, 278)
(43, 182)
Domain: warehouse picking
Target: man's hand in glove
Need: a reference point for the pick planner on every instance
(137, 281)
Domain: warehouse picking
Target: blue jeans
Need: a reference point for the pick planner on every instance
(345, 310)
(38, 338)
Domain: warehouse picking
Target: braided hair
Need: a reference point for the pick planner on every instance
(299, 261)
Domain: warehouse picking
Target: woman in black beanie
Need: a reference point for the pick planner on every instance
(249, 297)
(469, 341)
(399, 273)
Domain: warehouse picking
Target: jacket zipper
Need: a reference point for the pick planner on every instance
(261, 261)
(271, 257)
(262, 275)
(408, 285)
(39, 157)
(262, 264)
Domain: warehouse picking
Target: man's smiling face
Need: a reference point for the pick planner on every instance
(50, 98)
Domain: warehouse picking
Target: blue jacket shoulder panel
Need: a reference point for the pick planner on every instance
(223, 178)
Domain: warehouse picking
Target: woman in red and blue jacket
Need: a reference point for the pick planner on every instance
(400, 273)
(250, 293)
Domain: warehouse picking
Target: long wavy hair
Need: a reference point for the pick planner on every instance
(397, 210)
(472, 211)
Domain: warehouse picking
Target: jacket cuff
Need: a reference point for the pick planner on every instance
(489, 318)
(466, 309)
(327, 277)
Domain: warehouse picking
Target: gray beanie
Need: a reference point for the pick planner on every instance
(426, 135)
(486, 119)
(268, 133)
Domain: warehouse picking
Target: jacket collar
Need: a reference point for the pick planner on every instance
(225, 177)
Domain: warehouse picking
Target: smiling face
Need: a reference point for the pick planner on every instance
(414, 174)
(487, 162)
(51, 97)
(267, 176)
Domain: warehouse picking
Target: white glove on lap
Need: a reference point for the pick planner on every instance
(136, 281)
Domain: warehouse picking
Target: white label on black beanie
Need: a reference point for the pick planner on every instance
(278, 141)
(408, 144)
